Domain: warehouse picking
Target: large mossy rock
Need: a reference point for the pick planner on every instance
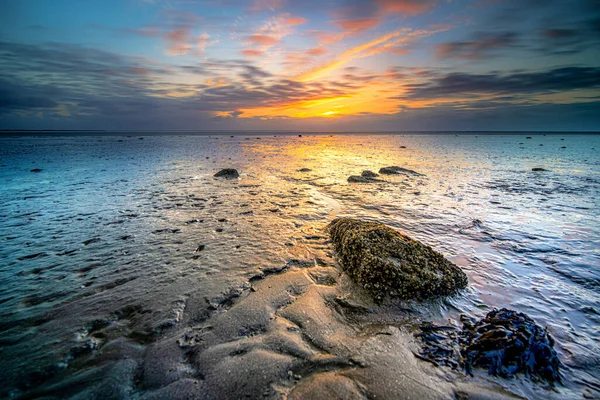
(386, 262)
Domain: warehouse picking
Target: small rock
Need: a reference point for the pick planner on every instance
(228, 173)
(369, 174)
(361, 179)
(36, 170)
(304, 170)
(398, 170)
(537, 169)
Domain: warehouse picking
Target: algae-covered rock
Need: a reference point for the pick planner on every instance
(386, 262)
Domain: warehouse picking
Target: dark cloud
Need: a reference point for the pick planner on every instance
(461, 84)
(13, 97)
(74, 83)
(483, 45)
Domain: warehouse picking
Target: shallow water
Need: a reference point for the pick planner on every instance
(111, 232)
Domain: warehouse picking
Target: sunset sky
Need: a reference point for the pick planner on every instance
(359, 65)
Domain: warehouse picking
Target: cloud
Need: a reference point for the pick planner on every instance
(360, 15)
(178, 41)
(484, 46)
(567, 39)
(15, 97)
(262, 5)
(291, 21)
(551, 81)
(316, 51)
(389, 42)
(262, 40)
(406, 7)
(560, 33)
(270, 34)
(253, 52)
(356, 24)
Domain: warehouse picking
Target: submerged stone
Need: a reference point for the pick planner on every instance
(386, 262)
(361, 179)
(228, 173)
(369, 174)
(397, 170)
(537, 169)
(505, 342)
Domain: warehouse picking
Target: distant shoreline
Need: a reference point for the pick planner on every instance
(50, 132)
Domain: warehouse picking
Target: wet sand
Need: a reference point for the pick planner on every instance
(303, 332)
(131, 272)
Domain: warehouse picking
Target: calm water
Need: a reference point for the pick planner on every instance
(107, 232)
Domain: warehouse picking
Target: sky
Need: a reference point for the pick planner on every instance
(311, 65)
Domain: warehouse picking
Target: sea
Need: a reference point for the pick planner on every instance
(129, 234)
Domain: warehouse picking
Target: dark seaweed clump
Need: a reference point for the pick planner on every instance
(386, 262)
(505, 343)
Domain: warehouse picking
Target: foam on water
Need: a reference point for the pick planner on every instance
(137, 235)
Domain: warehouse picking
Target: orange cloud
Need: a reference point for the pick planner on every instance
(346, 57)
(294, 21)
(178, 41)
(253, 52)
(317, 51)
(406, 7)
(263, 40)
(386, 43)
(271, 33)
(356, 24)
(371, 99)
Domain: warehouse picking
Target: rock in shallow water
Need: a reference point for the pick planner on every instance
(505, 343)
(362, 179)
(386, 262)
(228, 173)
(398, 170)
(369, 174)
